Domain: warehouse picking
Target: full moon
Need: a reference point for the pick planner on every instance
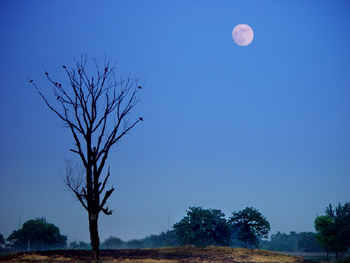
(242, 35)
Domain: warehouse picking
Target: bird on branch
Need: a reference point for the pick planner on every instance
(106, 69)
(79, 71)
(64, 66)
(46, 73)
(30, 81)
(141, 118)
(58, 97)
(139, 87)
(106, 211)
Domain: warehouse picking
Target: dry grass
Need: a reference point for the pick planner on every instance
(37, 258)
(255, 255)
(141, 261)
(33, 257)
(162, 255)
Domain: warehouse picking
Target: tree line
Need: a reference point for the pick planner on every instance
(206, 227)
(292, 242)
(201, 227)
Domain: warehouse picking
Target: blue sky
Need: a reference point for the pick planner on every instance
(226, 127)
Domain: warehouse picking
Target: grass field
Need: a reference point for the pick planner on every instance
(162, 255)
(317, 256)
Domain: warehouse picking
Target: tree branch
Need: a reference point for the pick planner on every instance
(107, 195)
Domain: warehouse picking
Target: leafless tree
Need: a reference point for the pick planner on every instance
(95, 110)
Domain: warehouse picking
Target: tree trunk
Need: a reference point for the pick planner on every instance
(95, 240)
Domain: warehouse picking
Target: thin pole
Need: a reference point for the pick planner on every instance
(168, 220)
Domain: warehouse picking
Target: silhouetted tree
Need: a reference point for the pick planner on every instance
(39, 234)
(251, 225)
(203, 227)
(341, 218)
(95, 110)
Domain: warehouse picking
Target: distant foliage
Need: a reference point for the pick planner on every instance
(81, 245)
(134, 243)
(293, 242)
(112, 243)
(37, 235)
(167, 239)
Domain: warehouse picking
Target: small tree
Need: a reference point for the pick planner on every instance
(203, 227)
(39, 234)
(95, 109)
(251, 225)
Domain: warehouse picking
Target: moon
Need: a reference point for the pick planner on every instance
(242, 35)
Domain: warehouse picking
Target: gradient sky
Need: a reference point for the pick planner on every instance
(226, 127)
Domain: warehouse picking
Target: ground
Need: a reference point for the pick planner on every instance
(186, 254)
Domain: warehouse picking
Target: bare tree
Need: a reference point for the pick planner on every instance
(86, 108)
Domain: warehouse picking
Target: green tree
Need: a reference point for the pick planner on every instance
(325, 232)
(251, 225)
(337, 231)
(203, 227)
(112, 243)
(39, 234)
(95, 109)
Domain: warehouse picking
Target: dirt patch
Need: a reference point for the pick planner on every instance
(166, 255)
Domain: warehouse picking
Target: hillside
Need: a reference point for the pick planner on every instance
(163, 255)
